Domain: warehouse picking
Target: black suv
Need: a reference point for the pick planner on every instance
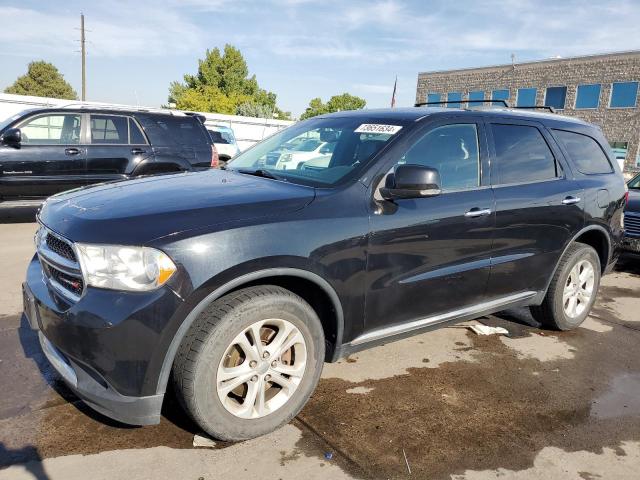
(236, 285)
(45, 151)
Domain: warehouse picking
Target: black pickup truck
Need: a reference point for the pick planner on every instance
(45, 151)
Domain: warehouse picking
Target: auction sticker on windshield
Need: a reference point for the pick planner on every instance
(377, 128)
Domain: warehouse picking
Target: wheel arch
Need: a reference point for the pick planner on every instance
(595, 236)
(310, 286)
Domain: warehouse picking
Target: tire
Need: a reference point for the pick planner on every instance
(221, 338)
(566, 304)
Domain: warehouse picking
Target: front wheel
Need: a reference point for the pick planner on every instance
(572, 291)
(249, 362)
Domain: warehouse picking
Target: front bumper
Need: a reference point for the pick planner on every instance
(108, 347)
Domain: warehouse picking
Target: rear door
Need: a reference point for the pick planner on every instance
(50, 158)
(116, 145)
(539, 206)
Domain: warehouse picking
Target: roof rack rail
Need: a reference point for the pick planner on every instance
(537, 107)
(108, 106)
(503, 102)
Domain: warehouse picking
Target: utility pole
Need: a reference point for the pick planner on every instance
(84, 58)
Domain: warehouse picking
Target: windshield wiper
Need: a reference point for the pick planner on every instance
(261, 173)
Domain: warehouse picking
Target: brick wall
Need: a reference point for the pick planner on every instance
(618, 125)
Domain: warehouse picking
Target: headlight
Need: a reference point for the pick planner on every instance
(286, 157)
(124, 268)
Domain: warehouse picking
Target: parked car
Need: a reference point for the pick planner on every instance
(48, 150)
(225, 142)
(306, 150)
(237, 284)
(631, 242)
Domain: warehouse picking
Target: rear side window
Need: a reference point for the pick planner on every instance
(137, 137)
(522, 154)
(585, 153)
(109, 129)
(183, 130)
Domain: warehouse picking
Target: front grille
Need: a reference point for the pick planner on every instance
(73, 284)
(60, 247)
(60, 264)
(632, 224)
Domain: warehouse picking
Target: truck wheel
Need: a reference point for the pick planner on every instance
(249, 362)
(572, 291)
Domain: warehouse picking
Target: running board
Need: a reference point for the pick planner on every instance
(425, 322)
(21, 203)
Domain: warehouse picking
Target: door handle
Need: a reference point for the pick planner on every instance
(137, 151)
(478, 212)
(571, 200)
(71, 151)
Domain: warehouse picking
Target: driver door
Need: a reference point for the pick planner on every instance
(431, 256)
(49, 159)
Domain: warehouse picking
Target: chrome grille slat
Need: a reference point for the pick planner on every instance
(632, 224)
(60, 265)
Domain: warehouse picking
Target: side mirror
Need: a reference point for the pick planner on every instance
(411, 181)
(12, 136)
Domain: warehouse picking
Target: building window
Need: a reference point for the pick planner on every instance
(477, 95)
(453, 99)
(434, 97)
(502, 94)
(623, 94)
(555, 97)
(588, 96)
(526, 97)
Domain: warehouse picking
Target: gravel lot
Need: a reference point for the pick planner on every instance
(535, 404)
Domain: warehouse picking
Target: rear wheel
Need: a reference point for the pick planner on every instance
(572, 291)
(249, 362)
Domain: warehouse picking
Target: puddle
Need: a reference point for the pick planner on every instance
(622, 398)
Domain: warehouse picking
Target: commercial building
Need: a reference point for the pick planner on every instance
(601, 89)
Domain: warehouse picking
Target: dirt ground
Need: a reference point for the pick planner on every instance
(445, 404)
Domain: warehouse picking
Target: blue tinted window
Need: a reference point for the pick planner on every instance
(556, 97)
(434, 97)
(502, 94)
(477, 95)
(623, 94)
(453, 99)
(588, 96)
(527, 97)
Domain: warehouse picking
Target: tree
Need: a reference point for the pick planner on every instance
(223, 85)
(337, 103)
(42, 80)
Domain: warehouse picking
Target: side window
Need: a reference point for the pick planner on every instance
(453, 150)
(57, 129)
(136, 135)
(109, 129)
(522, 154)
(584, 152)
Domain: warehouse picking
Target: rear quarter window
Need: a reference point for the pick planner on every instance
(183, 130)
(585, 152)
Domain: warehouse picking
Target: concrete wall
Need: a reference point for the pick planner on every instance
(618, 124)
(247, 130)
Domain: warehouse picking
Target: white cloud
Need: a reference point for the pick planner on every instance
(125, 31)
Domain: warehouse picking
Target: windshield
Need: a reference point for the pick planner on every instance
(5, 122)
(221, 135)
(634, 183)
(346, 145)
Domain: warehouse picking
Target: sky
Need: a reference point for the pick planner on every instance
(301, 49)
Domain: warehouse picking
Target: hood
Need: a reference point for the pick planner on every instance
(634, 201)
(137, 211)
